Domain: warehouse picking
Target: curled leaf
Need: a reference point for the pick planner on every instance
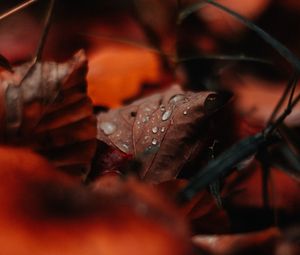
(50, 112)
(164, 130)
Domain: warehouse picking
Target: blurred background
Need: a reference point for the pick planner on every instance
(137, 46)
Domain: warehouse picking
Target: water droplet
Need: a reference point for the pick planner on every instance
(185, 113)
(154, 130)
(154, 141)
(166, 115)
(108, 128)
(163, 129)
(177, 98)
(145, 119)
(125, 147)
(162, 108)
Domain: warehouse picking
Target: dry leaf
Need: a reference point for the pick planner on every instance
(164, 130)
(50, 112)
(46, 212)
(117, 73)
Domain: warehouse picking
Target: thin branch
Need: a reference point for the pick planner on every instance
(291, 83)
(41, 44)
(293, 89)
(16, 9)
(272, 127)
(46, 27)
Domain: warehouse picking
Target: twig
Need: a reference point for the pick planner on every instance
(41, 44)
(291, 83)
(16, 9)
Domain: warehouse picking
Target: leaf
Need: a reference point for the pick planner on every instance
(50, 112)
(163, 130)
(4, 63)
(33, 193)
(117, 74)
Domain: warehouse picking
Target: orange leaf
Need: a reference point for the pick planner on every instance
(117, 73)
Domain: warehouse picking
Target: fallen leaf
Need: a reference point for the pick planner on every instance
(50, 112)
(163, 131)
(117, 73)
(47, 212)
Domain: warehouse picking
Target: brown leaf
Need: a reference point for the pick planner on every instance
(163, 130)
(50, 112)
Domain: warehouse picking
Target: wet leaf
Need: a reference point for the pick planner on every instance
(163, 130)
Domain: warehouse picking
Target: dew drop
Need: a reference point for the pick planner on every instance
(154, 130)
(162, 108)
(166, 115)
(125, 147)
(163, 129)
(185, 113)
(177, 98)
(108, 128)
(154, 141)
(145, 119)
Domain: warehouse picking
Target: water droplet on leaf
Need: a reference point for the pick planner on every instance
(166, 115)
(154, 130)
(145, 119)
(177, 98)
(154, 141)
(108, 128)
(162, 108)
